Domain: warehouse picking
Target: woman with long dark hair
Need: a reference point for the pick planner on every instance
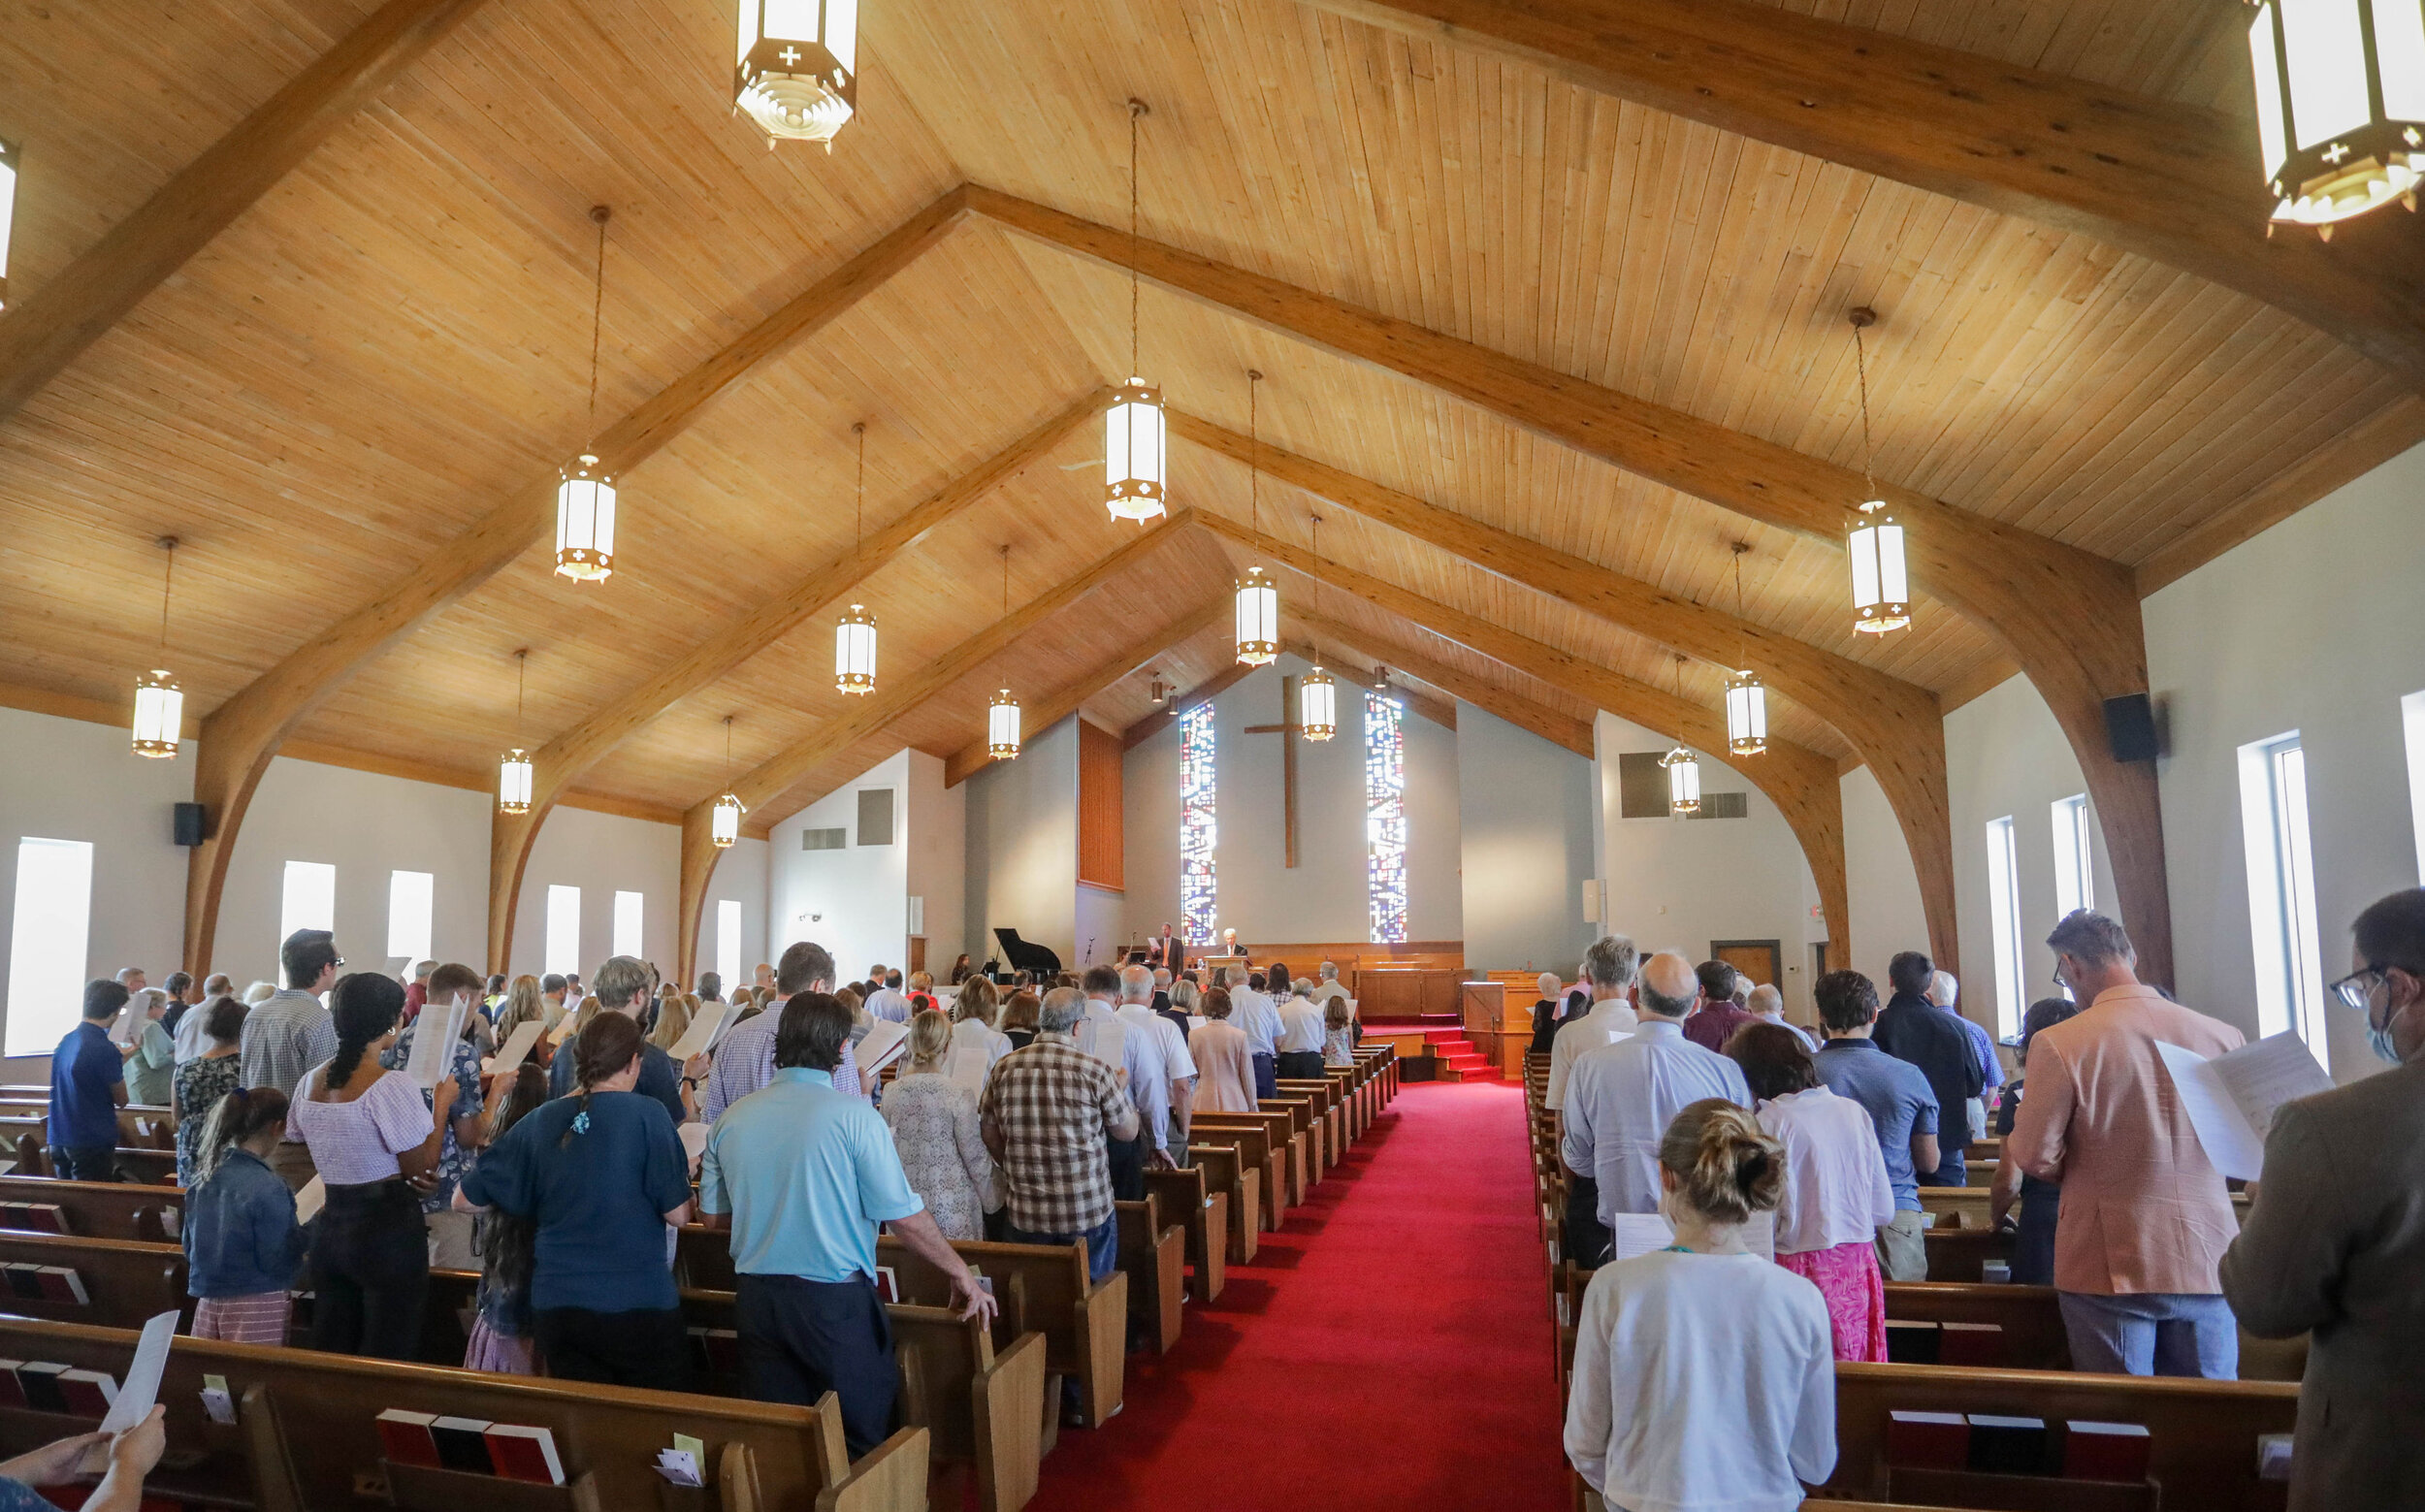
(599, 1175)
(242, 1240)
(371, 1138)
(501, 1333)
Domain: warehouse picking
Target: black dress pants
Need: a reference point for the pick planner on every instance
(644, 1346)
(1300, 1065)
(1588, 1239)
(1127, 1160)
(802, 1338)
(370, 1272)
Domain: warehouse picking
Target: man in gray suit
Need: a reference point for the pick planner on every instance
(2336, 1241)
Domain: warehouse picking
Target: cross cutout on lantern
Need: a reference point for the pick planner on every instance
(790, 55)
(1289, 732)
(2337, 153)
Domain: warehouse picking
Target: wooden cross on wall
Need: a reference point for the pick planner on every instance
(1289, 729)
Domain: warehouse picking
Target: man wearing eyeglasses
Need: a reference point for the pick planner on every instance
(2144, 1215)
(2335, 1241)
(287, 1033)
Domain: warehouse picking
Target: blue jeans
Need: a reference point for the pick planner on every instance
(1101, 1241)
(2152, 1333)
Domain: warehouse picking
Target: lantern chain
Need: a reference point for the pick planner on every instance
(597, 304)
(1861, 318)
(168, 575)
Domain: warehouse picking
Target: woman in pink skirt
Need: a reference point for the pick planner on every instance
(242, 1240)
(1835, 1188)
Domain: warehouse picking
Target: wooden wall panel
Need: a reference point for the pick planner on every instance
(1101, 805)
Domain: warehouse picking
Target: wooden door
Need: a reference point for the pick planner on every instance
(1761, 960)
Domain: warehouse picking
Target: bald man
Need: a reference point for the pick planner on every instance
(1621, 1097)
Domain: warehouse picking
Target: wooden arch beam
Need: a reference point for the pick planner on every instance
(557, 765)
(769, 778)
(1559, 729)
(1800, 782)
(1897, 727)
(2067, 618)
(45, 333)
(239, 738)
(2174, 182)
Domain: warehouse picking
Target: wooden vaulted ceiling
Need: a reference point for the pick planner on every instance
(394, 340)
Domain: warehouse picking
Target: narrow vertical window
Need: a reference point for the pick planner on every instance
(2075, 869)
(2012, 987)
(563, 930)
(2280, 858)
(729, 943)
(47, 940)
(308, 900)
(1386, 816)
(409, 899)
(1198, 896)
(2413, 729)
(627, 923)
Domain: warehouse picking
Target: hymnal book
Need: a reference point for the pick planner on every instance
(716, 1350)
(966, 1066)
(12, 1395)
(1928, 1441)
(2008, 1445)
(702, 1034)
(406, 1438)
(25, 1280)
(90, 1394)
(523, 1453)
(1911, 1342)
(1106, 1039)
(693, 1137)
(1970, 1344)
(60, 1283)
(433, 1052)
(887, 1284)
(516, 1049)
(2273, 1456)
(2105, 1451)
(2231, 1099)
(1643, 1233)
(462, 1444)
(310, 1200)
(884, 1044)
(39, 1382)
(34, 1217)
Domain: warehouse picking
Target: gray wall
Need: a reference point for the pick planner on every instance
(1525, 816)
(1022, 846)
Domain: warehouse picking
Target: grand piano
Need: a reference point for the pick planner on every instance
(1023, 957)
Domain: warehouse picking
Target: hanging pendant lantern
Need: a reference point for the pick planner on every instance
(855, 637)
(796, 78)
(585, 494)
(1317, 705)
(1133, 455)
(1747, 701)
(1160, 692)
(513, 768)
(724, 820)
(1258, 619)
(1881, 586)
(2339, 105)
(1002, 727)
(159, 703)
(1683, 782)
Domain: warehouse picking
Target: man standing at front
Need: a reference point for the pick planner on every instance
(2146, 1217)
(802, 1175)
(290, 1032)
(1047, 1114)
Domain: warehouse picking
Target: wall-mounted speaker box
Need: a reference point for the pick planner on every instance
(2130, 728)
(185, 824)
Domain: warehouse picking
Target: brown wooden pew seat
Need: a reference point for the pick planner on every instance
(1154, 1256)
(97, 1209)
(1043, 1289)
(1202, 1208)
(1250, 1136)
(1226, 1171)
(125, 1281)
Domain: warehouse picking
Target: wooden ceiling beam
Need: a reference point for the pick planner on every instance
(1195, 698)
(557, 765)
(1441, 712)
(1896, 726)
(1064, 701)
(869, 716)
(1801, 782)
(2178, 183)
(239, 738)
(49, 330)
(2068, 618)
(1551, 724)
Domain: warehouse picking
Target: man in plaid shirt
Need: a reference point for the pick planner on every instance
(1046, 1112)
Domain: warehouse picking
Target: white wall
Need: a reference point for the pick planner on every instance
(601, 855)
(739, 877)
(854, 901)
(1882, 887)
(1526, 822)
(938, 858)
(1682, 883)
(1022, 846)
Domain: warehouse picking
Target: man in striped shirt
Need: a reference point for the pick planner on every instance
(745, 1058)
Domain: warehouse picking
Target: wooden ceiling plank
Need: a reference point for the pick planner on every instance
(1045, 713)
(241, 736)
(562, 761)
(769, 779)
(2068, 618)
(1559, 729)
(2170, 181)
(49, 330)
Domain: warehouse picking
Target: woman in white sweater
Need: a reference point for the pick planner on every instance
(1703, 1374)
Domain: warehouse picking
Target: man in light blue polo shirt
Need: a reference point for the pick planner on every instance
(801, 1174)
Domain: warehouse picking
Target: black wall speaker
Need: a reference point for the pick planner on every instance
(185, 824)
(2130, 727)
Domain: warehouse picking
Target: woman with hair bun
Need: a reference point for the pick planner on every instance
(371, 1137)
(1704, 1376)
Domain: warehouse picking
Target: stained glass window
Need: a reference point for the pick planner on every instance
(1386, 816)
(1198, 906)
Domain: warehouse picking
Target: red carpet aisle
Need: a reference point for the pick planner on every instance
(1386, 1350)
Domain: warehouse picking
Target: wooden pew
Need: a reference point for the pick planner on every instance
(2032, 1319)
(1154, 1256)
(102, 1209)
(1327, 1117)
(1241, 1180)
(1202, 1208)
(1307, 1125)
(309, 1435)
(1970, 1204)
(1043, 1289)
(142, 1127)
(126, 1282)
(1250, 1135)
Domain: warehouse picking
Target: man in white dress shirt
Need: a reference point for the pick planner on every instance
(1138, 1017)
(1621, 1097)
(1300, 1041)
(1608, 970)
(1253, 1013)
(1145, 1076)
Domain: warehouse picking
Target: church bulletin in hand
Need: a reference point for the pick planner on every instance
(701, 1033)
(2231, 1099)
(516, 1048)
(433, 1052)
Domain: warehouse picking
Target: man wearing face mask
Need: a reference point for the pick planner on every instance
(2334, 1242)
(2145, 1214)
